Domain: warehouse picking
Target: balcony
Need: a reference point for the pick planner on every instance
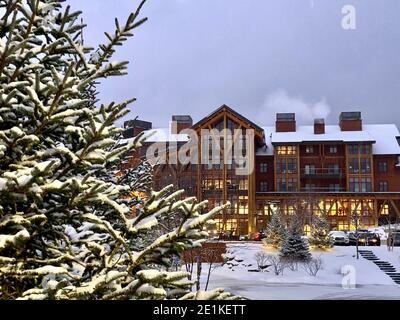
(318, 173)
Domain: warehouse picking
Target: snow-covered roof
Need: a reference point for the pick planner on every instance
(165, 135)
(382, 135)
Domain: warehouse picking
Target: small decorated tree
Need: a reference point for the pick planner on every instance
(320, 237)
(294, 248)
(276, 230)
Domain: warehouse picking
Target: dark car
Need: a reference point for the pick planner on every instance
(396, 238)
(365, 238)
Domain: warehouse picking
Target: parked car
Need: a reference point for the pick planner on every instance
(396, 238)
(260, 235)
(340, 238)
(365, 238)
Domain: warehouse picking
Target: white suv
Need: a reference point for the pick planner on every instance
(340, 238)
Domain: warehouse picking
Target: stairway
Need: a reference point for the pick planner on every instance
(385, 266)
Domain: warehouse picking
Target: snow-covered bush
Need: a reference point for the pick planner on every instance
(313, 266)
(261, 260)
(66, 224)
(278, 265)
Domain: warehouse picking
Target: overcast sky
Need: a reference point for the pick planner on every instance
(257, 56)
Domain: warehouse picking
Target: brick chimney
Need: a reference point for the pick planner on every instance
(285, 122)
(181, 122)
(134, 127)
(350, 121)
(319, 126)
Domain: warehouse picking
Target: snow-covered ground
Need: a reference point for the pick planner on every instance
(371, 282)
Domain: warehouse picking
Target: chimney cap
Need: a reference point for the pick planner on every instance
(284, 117)
(138, 124)
(350, 115)
(319, 121)
(182, 118)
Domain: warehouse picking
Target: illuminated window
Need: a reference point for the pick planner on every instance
(243, 209)
(385, 209)
(343, 226)
(286, 150)
(309, 149)
(231, 225)
(290, 210)
(243, 184)
(307, 230)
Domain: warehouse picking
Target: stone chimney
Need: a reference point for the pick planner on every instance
(285, 122)
(319, 126)
(350, 121)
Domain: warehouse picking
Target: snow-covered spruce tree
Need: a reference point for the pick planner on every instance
(320, 237)
(294, 248)
(276, 230)
(66, 229)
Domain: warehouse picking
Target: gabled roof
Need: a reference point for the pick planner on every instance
(225, 108)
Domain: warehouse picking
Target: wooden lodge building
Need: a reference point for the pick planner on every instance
(349, 171)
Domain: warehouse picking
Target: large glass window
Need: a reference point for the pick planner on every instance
(352, 148)
(281, 166)
(365, 149)
(281, 184)
(366, 185)
(354, 185)
(365, 165)
(292, 184)
(354, 165)
(292, 165)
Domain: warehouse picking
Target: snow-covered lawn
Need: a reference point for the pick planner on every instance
(371, 282)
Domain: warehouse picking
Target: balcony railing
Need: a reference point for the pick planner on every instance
(322, 189)
(322, 172)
